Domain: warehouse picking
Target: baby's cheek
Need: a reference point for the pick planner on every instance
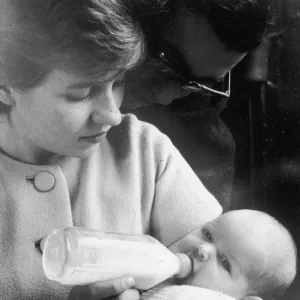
(175, 247)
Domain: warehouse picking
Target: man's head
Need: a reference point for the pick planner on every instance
(246, 254)
(214, 35)
(239, 24)
(198, 40)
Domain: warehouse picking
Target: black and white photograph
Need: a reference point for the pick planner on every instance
(149, 149)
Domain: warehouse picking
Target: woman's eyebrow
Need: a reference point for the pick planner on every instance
(82, 85)
(99, 82)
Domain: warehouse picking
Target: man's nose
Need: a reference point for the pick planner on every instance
(204, 251)
(106, 109)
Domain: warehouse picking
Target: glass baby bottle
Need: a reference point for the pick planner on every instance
(78, 256)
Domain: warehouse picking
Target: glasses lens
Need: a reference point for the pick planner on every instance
(173, 59)
(222, 85)
(175, 62)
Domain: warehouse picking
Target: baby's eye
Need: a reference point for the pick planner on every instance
(225, 264)
(207, 234)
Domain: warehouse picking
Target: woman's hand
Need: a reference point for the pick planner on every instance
(119, 288)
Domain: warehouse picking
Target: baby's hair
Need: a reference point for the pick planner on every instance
(270, 286)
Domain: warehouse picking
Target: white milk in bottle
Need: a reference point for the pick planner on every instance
(78, 256)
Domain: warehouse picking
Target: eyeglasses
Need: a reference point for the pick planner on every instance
(175, 62)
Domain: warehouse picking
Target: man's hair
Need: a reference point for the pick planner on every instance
(89, 36)
(271, 285)
(240, 24)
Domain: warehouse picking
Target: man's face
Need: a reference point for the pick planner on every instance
(204, 53)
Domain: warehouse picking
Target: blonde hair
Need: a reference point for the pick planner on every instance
(87, 36)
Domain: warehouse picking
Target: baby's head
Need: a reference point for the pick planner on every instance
(245, 254)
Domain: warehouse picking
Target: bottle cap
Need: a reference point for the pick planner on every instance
(186, 265)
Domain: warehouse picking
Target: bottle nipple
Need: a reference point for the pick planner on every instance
(186, 265)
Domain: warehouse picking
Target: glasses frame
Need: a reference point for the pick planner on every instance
(193, 85)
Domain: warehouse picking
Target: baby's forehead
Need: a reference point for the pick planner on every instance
(248, 233)
(254, 230)
(246, 219)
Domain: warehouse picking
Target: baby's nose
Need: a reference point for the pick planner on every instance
(203, 252)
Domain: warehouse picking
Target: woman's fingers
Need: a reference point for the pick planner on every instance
(102, 289)
(106, 289)
(129, 295)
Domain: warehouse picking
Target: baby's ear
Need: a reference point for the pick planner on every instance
(251, 298)
(6, 96)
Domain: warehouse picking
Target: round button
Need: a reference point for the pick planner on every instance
(44, 181)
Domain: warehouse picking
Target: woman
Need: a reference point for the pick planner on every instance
(68, 157)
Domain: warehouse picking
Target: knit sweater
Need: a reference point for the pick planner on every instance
(135, 182)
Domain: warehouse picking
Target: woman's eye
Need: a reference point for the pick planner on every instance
(72, 98)
(207, 234)
(225, 264)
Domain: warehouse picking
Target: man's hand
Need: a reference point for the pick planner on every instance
(119, 288)
(150, 84)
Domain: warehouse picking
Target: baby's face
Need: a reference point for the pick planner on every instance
(224, 251)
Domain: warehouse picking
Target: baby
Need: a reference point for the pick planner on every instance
(245, 254)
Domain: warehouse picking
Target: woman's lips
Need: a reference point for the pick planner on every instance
(94, 139)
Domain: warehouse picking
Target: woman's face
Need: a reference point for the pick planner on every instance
(65, 115)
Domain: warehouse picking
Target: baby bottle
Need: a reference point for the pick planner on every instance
(78, 256)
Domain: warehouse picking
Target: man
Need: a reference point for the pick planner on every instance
(193, 44)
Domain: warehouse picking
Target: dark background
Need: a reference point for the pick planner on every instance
(266, 124)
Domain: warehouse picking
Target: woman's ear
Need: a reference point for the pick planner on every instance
(252, 298)
(6, 96)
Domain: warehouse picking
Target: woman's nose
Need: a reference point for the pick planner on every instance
(204, 251)
(107, 110)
